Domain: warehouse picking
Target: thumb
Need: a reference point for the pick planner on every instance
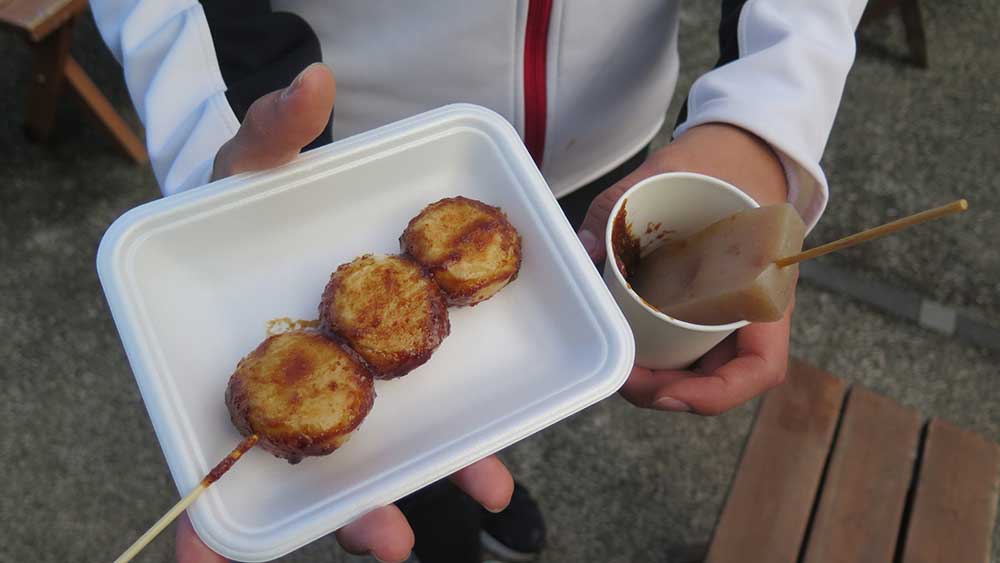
(279, 124)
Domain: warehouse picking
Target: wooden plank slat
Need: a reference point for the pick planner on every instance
(861, 507)
(955, 504)
(771, 497)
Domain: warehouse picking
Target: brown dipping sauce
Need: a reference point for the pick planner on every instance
(227, 462)
(627, 250)
(624, 245)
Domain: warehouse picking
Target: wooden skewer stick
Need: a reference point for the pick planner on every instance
(185, 502)
(875, 232)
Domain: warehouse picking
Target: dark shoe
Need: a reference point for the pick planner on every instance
(518, 532)
(445, 523)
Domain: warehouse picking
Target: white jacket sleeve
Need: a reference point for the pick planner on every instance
(785, 86)
(173, 76)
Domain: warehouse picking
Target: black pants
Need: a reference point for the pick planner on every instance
(445, 521)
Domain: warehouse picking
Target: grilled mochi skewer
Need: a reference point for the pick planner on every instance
(301, 393)
(297, 394)
(388, 309)
(470, 248)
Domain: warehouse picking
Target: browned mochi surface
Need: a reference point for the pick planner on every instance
(301, 393)
(388, 309)
(469, 247)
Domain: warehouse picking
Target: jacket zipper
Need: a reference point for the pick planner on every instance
(536, 35)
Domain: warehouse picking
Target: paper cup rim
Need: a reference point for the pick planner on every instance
(614, 263)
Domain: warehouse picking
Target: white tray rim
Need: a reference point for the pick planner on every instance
(125, 236)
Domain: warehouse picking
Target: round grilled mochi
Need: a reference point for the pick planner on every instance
(301, 393)
(469, 247)
(388, 309)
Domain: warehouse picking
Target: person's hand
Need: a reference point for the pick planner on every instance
(279, 124)
(750, 361)
(383, 532)
(276, 128)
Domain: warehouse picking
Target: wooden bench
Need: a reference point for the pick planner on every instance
(831, 474)
(47, 25)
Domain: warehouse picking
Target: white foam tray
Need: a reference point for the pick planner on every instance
(192, 280)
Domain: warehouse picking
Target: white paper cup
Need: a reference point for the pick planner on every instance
(680, 204)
